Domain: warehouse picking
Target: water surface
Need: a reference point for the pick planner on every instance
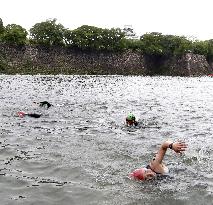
(80, 152)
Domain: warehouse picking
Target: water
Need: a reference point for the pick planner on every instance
(80, 152)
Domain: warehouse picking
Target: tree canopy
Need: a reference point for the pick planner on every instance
(1, 26)
(94, 38)
(51, 33)
(14, 34)
(47, 33)
(164, 45)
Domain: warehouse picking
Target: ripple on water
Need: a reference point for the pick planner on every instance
(80, 152)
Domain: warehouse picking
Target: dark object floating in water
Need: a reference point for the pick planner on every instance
(22, 114)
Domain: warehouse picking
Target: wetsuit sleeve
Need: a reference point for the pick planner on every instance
(34, 115)
(45, 103)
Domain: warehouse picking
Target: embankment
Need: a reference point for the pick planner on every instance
(59, 60)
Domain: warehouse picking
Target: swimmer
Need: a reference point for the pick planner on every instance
(44, 104)
(22, 114)
(130, 120)
(156, 167)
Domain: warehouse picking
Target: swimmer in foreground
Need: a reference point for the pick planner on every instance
(44, 104)
(22, 114)
(156, 167)
(130, 120)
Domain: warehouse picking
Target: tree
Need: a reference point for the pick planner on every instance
(151, 43)
(86, 37)
(200, 47)
(164, 45)
(113, 39)
(1, 26)
(14, 34)
(47, 33)
(68, 37)
(94, 38)
(131, 44)
(182, 46)
(210, 50)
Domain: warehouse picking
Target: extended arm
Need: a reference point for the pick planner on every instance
(178, 147)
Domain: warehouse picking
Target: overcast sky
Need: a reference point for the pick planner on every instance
(191, 18)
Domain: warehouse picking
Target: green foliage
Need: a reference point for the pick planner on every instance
(113, 39)
(164, 45)
(47, 33)
(94, 38)
(157, 45)
(204, 48)
(68, 37)
(200, 47)
(1, 27)
(210, 50)
(181, 45)
(86, 37)
(14, 34)
(133, 44)
(151, 44)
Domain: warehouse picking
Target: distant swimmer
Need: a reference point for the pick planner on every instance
(23, 114)
(130, 120)
(156, 167)
(44, 104)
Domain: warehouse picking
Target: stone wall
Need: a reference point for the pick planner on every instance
(188, 65)
(58, 60)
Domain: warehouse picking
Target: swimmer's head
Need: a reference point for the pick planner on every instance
(142, 174)
(21, 114)
(130, 117)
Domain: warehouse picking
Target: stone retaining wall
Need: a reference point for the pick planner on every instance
(55, 60)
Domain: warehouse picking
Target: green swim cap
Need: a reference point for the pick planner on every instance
(130, 116)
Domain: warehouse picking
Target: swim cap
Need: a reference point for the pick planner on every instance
(130, 116)
(138, 174)
(21, 114)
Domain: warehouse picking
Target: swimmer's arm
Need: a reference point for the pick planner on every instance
(178, 147)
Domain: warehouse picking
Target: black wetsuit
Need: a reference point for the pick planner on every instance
(136, 123)
(34, 115)
(149, 167)
(45, 103)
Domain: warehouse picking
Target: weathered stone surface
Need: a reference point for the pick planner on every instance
(188, 65)
(55, 60)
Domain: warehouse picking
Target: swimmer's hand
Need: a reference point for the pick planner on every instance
(179, 147)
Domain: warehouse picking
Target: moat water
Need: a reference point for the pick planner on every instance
(80, 151)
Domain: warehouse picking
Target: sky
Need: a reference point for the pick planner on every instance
(189, 18)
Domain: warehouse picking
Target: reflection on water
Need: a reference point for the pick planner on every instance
(80, 152)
